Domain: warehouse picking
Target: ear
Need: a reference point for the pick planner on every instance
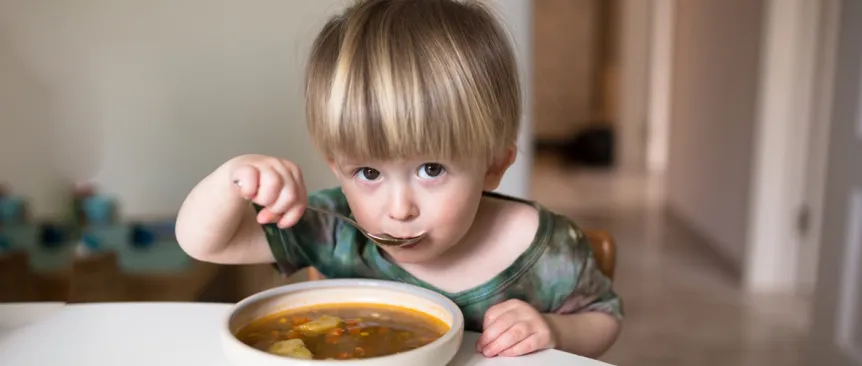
(498, 168)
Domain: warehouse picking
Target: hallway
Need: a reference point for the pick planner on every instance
(682, 306)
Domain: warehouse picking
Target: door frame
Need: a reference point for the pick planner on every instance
(635, 42)
(818, 147)
(798, 48)
(834, 335)
(661, 51)
(797, 53)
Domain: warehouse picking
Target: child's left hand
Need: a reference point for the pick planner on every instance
(514, 328)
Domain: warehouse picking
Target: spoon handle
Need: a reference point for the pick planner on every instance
(338, 215)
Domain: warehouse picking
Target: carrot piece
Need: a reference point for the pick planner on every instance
(300, 320)
(292, 334)
(354, 330)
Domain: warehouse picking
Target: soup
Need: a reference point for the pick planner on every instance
(342, 331)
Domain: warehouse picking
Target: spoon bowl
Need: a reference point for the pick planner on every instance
(382, 239)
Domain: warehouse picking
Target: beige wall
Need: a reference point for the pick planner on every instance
(564, 67)
(147, 97)
(713, 118)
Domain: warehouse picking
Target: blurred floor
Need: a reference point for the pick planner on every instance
(682, 306)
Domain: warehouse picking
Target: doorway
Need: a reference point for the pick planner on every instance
(576, 71)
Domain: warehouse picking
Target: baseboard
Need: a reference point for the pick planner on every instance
(730, 267)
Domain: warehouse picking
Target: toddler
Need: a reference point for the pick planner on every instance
(415, 105)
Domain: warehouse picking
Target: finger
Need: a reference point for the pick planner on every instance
(247, 179)
(494, 330)
(286, 198)
(292, 216)
(270, 186)
(283, 167)
(529, 345)
(500, 309)
(292, 171)
(515, 334)
(266, 216)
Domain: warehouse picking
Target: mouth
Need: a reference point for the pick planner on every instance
(419, 241)
(406, 236)
(410, 246)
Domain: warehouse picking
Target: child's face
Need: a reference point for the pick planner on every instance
(406, 198)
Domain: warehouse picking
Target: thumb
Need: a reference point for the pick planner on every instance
(247, 179)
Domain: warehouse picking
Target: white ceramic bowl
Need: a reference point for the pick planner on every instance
(436, 353)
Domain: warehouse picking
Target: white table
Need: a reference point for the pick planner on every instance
(147, 334)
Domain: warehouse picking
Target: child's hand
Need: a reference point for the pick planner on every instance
(514, 328)
(273, 183)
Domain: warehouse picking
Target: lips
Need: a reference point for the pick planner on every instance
(404, 236)
(411, 246)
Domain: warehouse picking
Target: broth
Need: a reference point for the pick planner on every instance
(342, 331)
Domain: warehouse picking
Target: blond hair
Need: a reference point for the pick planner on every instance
(392, 79)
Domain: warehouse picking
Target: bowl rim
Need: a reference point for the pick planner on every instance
(455, 330)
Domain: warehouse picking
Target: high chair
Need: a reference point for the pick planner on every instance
(602, 243)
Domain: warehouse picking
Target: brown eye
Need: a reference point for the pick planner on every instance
(431, 170)
(368, 173)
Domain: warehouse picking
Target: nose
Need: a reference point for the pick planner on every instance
(402, 206)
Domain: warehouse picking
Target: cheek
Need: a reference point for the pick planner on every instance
(455, 212)
(361, 207)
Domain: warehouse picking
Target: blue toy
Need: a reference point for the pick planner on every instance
(99, 210)
(12, 210)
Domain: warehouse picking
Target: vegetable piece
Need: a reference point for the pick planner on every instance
(299, 320)
(319, 326)
(294, 348)
(331, 338)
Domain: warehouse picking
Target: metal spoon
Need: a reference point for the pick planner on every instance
(382, 239)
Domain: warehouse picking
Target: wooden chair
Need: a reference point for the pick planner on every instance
(605, 250)
(602, 243)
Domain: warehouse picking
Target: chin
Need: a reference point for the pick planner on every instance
(413, 255)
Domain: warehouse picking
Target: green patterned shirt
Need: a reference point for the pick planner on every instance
(556, 274)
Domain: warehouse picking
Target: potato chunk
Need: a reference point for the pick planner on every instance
(318, 326)
(294, 348)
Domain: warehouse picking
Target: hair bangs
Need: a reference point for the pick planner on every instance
(402, 81)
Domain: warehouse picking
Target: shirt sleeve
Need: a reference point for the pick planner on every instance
(312, 238)
(593, 290)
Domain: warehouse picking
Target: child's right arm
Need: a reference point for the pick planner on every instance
(217, 224)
